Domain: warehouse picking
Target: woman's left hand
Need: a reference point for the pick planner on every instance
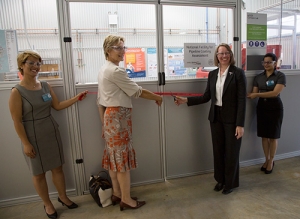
(82, 95)
(252, 95)
(239, 132)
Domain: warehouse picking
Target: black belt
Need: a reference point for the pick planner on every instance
(270, 99)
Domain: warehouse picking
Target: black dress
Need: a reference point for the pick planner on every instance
(269, 117)
(269, 110)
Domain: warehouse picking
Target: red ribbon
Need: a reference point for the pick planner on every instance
(168, 94)
(178, 94)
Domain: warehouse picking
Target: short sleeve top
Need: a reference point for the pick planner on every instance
(266, 84)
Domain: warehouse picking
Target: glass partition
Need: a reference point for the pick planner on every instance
(185, 24)
(92, 22)
(283, 28)
(36, 27)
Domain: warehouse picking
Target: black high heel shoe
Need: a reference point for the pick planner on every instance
(270, 171)
(263, 168)
(72, 206)
(52, 216)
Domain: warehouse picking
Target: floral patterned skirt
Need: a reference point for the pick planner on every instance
(119, 155)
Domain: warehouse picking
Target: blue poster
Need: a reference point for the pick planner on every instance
(176, 62)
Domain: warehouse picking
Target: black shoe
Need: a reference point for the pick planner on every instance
(219, 187)
(270, 171)
(73, 205)
(227, 191)
(52, 216)
(263, 168)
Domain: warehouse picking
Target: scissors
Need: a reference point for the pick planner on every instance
(173, 96)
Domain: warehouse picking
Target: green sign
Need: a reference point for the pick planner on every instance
(256, 32)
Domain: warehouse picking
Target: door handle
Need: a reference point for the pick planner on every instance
(159, 79)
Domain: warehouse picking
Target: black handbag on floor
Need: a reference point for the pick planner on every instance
(101, 189)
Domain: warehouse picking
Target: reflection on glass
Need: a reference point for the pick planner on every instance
(193, 25)
(92, 22)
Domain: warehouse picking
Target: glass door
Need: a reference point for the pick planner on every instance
(155, 35)
(187, 131)
(90, 23)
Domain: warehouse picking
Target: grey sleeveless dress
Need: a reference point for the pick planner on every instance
(41, 129)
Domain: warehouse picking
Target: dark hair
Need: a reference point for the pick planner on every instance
(271, 55)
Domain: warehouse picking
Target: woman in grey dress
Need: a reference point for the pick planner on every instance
(30, 107)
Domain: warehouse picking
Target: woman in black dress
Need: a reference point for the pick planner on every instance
(267, 86)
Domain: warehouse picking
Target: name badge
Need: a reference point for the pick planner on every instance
(46, 97)
(270, 83)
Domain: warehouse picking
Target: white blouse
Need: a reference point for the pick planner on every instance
(220, 85)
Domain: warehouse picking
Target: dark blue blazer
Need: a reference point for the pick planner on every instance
(233, 99)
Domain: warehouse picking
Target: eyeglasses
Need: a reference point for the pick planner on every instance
(223, 54)
(38, 64)
(119, 48)
(267, 63)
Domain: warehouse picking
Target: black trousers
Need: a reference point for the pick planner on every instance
(226, 151)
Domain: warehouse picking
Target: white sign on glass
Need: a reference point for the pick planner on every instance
(199, 54)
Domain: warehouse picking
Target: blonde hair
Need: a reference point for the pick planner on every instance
(22, 57)
(216, 60)
(111, 40)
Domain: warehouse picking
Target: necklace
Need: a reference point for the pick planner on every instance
(30, 85)
(35, 85)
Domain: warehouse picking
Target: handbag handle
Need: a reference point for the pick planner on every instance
(102, 171)
(107, 176)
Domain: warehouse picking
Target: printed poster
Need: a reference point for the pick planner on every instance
(135, 62)
(176, 62)
(152, 62)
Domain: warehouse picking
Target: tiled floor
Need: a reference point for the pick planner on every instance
(260, 196)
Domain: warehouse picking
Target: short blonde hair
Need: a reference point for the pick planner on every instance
(216, 60)
(110, 41)
(22, 57)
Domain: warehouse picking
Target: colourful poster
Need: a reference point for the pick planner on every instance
(176, 62)
(152, 62)
(135, 62)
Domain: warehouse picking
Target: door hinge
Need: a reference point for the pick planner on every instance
(67, 39)
(78, 161)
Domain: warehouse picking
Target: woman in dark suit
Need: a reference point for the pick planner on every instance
(226, 88)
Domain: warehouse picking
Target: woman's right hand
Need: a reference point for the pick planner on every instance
(159, 102)
(180, 100)
(81, 95)
(29, 151)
